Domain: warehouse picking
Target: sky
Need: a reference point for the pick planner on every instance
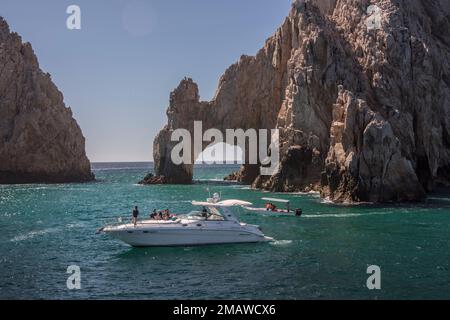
(117, 72)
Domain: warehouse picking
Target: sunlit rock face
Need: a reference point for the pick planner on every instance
(363, 113)
(39, 139)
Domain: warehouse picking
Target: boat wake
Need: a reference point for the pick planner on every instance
(33, 234)
(345, 215)
(281, 242)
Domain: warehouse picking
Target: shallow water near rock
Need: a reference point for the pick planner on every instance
(324, 254)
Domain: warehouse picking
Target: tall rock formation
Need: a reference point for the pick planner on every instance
(39, 139)
(363, 112)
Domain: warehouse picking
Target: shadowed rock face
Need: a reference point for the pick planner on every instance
(364, 115)
(39, 139)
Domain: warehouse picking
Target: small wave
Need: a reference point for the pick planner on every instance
(345, 215)
(311, 194)
(28, 187)
(439, 199)
(315, 193)
(74, 225)
(328, 201)
(216, 182)
(33, 234)
(77, 189)
(281, 242)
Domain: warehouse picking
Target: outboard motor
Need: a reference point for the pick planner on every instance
(298, 212)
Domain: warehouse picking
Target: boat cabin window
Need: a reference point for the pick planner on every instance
(210, 214)
(215, 215)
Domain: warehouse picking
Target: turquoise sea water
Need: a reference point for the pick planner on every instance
(323, 255)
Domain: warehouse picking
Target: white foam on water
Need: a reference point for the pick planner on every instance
(326, 201)
(74, 225)
(345, 215)
(77, 189)
(309, 193)
(343, 204)
(33, 234)
(281, 242)
(439, 199)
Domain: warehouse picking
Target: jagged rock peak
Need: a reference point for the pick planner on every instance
(39, 139)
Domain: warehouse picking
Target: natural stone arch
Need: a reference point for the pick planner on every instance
(184, 110)
(352, 124)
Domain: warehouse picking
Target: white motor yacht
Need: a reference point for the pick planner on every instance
(214, 223)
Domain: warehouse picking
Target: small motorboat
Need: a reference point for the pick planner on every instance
(272, 210)
(214, 223)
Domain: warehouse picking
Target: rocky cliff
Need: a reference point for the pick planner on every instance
(39, 139)
(363, 112)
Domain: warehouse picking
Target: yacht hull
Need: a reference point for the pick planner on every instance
(185, 237)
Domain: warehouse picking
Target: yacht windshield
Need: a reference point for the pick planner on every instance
(211, 214)
(215, 215)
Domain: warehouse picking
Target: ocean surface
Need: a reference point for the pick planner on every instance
(322, 255)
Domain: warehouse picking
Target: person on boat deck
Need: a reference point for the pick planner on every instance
(135, 215)
(166, 215)
(153, 215)
(205, 213)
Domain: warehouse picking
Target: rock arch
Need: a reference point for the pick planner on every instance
(186, 108)
(364, 115)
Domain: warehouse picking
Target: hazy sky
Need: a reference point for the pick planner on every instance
(117, 72)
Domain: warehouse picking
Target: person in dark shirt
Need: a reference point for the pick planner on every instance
(135, 215)
(205, 213)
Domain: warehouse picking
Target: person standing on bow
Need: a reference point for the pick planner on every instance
(135, 215)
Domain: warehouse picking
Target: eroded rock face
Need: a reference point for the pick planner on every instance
(364, 114)
(39, 139)
(365, 162)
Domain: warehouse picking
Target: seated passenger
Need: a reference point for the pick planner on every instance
(205, 213)
(166, 215)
